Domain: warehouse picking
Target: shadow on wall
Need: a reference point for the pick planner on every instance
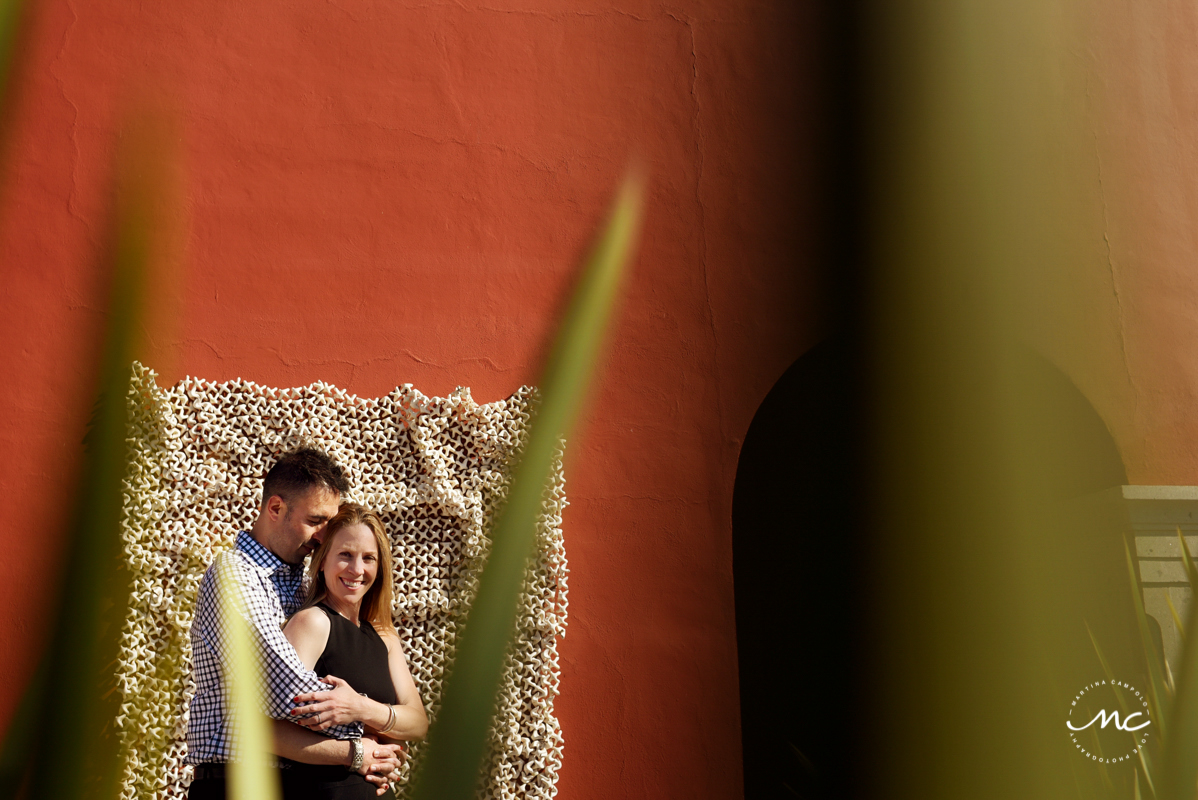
(801, 547)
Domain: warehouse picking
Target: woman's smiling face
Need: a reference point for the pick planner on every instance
(351, 565)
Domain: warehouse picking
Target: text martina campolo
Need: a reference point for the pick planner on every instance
(1123, 695)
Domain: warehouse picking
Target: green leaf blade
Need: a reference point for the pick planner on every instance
(1156, 686)
(252, 775)
(457, 739)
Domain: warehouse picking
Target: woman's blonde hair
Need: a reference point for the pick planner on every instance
(376, 605)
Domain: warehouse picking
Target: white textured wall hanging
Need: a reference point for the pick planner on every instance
(435, 467)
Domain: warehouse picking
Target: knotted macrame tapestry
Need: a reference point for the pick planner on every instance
(436, 468)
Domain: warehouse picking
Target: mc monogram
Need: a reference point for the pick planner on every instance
(1125, 725)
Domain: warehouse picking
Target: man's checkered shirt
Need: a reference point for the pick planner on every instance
(271, 590)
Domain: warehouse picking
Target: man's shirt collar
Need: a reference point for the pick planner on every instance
(262, 557)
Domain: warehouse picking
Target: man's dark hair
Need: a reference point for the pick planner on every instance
(300, 470)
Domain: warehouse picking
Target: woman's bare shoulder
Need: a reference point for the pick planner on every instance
(310, 621)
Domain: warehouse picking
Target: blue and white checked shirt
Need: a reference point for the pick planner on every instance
(271, 590)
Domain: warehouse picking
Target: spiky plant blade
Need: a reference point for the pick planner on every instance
(1187, 560)
(1179, 763)
(1147, 770)
(1123, 706)
(457, 740)
(251, 774)
(1106, 667)
(11, 14)
(15, 755)
(95, 587)
(77, 669)
(1181, 628)
(1156, 677)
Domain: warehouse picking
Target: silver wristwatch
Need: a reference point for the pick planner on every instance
(359, 756)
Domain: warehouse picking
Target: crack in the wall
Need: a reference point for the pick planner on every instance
(553, 168)
(607, 12)
(346, 362)
(206, 343)
(1110, 263)
(73, 193)
(700, 145)
(650, 498)
(529, 12)
(541, 165)
(468, 360)
(447, 74)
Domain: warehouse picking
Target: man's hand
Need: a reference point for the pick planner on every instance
(322, 710)
(381, 763)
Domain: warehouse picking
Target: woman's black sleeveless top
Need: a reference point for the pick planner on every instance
(357, 655)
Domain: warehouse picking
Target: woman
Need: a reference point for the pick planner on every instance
(345, 630)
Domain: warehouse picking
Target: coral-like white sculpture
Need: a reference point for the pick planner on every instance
(437, 468)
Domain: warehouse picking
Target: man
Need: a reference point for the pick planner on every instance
(300, 494)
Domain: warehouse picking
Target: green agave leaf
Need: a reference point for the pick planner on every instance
(251, 773)
(1156, 686)
(14, 757)
(1187, 560)
(76, 683)
(457, 739)
(1146, 772)
(1106, 669)
(1096, 748)
(11, 13)
(1123, 706)
(94, 592)
(1179, 764)
(1181, 629)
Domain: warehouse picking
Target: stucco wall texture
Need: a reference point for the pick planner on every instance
(379, 193)
(1121, 316)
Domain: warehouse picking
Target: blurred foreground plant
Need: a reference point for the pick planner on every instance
(457, 739)
(93, 599)
(251, 773)
(73, 689)
(73, 693)
(1175, 697)
(1172, 699)
(12, 19)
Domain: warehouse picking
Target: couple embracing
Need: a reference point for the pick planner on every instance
(337, 683)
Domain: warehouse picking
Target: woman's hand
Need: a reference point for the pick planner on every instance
(322, 710)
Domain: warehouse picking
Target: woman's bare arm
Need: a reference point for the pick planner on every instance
(411, 723)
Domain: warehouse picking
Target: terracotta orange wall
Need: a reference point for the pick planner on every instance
(1122, 317)
(384, 193)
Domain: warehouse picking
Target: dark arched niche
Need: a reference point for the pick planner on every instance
(799, 536)
(793, 524)
(1073, 443)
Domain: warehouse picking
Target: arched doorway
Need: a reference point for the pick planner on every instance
(799, 539)
(793, 521)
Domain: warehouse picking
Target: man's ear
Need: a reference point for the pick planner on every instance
(275, 507)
